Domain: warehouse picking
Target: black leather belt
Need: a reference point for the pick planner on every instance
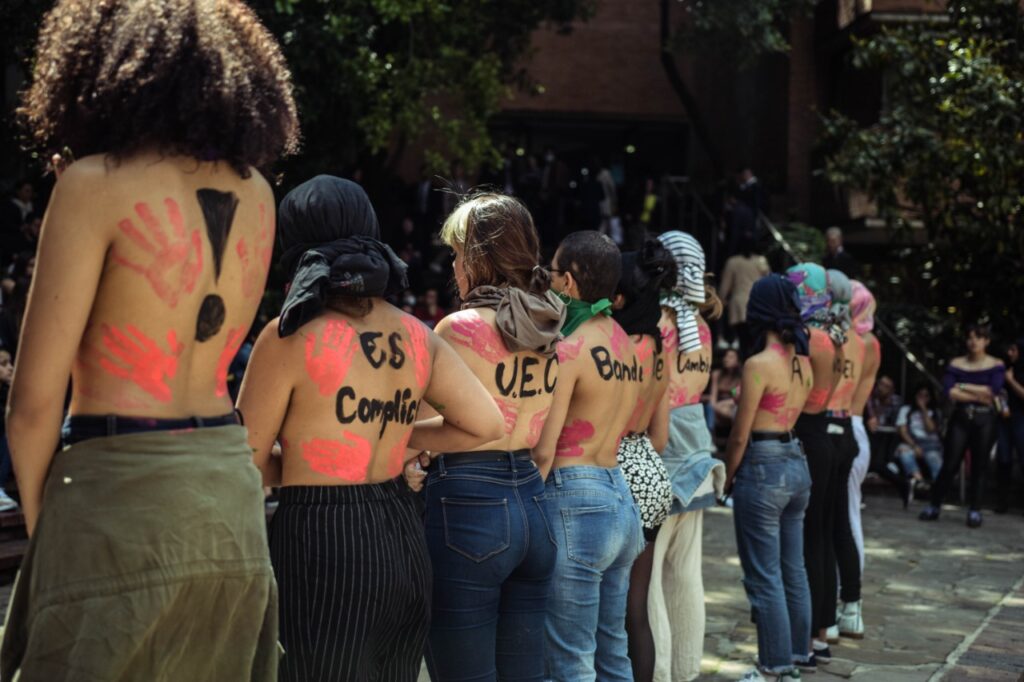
(454, 459)
(781, 436)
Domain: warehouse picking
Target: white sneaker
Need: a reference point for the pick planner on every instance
(832, 633)
(6, 503)
(849, 620)
(753, 675)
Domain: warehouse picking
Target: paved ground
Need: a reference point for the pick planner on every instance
(941, 601)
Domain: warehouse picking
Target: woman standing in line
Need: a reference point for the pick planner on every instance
(637, 310)
(819, 550)
(676, 598)
(771, 484)
(145, 514)
(971, 382)
(487, 522)
(338, 379)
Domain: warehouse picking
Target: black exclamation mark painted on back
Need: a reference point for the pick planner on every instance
(218, 213)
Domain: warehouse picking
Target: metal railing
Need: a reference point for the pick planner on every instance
(907, 355)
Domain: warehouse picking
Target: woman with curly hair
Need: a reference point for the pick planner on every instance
(148, 555)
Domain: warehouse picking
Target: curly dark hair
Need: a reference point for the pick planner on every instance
(200, 78)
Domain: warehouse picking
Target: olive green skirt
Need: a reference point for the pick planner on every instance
(149, 562)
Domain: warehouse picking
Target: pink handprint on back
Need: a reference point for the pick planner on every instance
(171, 262)
(474, 333)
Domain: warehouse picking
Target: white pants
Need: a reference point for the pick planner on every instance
(675, 602)
(857, 474)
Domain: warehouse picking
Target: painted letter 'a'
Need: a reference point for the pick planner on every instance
(218, 212)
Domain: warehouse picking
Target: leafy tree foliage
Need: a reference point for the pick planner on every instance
(948, 151)
(741, 29)
(373, 75)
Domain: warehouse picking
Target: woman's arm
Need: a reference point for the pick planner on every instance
(469, 416)
(69, 264)
(263, 400)
(658, 429)
(544, 451)
(751, 390)
(929, 423)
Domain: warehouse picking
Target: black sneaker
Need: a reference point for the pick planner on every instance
(821, 654)
(809, 666)
(974, 519)
(929, 513)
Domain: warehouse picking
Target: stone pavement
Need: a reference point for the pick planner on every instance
(941, 601)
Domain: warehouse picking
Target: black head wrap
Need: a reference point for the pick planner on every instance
(331, 242)
(642, 290)
(774, 305)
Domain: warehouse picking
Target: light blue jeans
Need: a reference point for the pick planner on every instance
(597, 528)
(770, 494)
(932, 458)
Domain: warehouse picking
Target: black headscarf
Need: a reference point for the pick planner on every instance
(642, 311)
(774, 305)
(331, 241)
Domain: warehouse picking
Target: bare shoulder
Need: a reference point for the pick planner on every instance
(959, 362)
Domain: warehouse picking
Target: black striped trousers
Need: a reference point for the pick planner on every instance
(354, 579)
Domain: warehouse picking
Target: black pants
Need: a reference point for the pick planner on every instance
(354, 580)
(819, 519)
(974, 428)
(847, 556)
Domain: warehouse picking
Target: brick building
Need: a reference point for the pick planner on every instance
(602, 87)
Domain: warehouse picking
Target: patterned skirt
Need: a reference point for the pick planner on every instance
(647, 478)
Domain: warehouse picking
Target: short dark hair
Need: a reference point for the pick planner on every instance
(594, 261)
(200, 78)
(982, 331)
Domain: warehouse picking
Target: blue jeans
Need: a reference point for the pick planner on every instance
(770, 494)
(932, 458)
(493, 557)
(597, 528)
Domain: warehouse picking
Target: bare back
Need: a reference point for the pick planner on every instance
(826, 371)
(689, 373)
(600, 380)
(655, 383)
(784, 380)
(850, 360)
(522, 384)
(188, 249)
(352, 387)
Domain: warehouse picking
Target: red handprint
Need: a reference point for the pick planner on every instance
(536, 426)
(571, 436)
(479, 336)
(396, 461)
(569, 351)
(704, 333)
(417, 348)
(509, 412)
(256, 262)
(179, 251)
(670, 337)
(347, 459)
(816, 399)
(140, 360)
(772, 402)
(329, 355)
(235, 339)
(677, 396)
(620, 342)
(644, 349)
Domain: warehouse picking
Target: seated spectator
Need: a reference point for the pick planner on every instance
(885, 404)
(918, 426)
(6, 374)
(725, 386)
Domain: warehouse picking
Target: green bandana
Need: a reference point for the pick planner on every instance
(578, 312)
